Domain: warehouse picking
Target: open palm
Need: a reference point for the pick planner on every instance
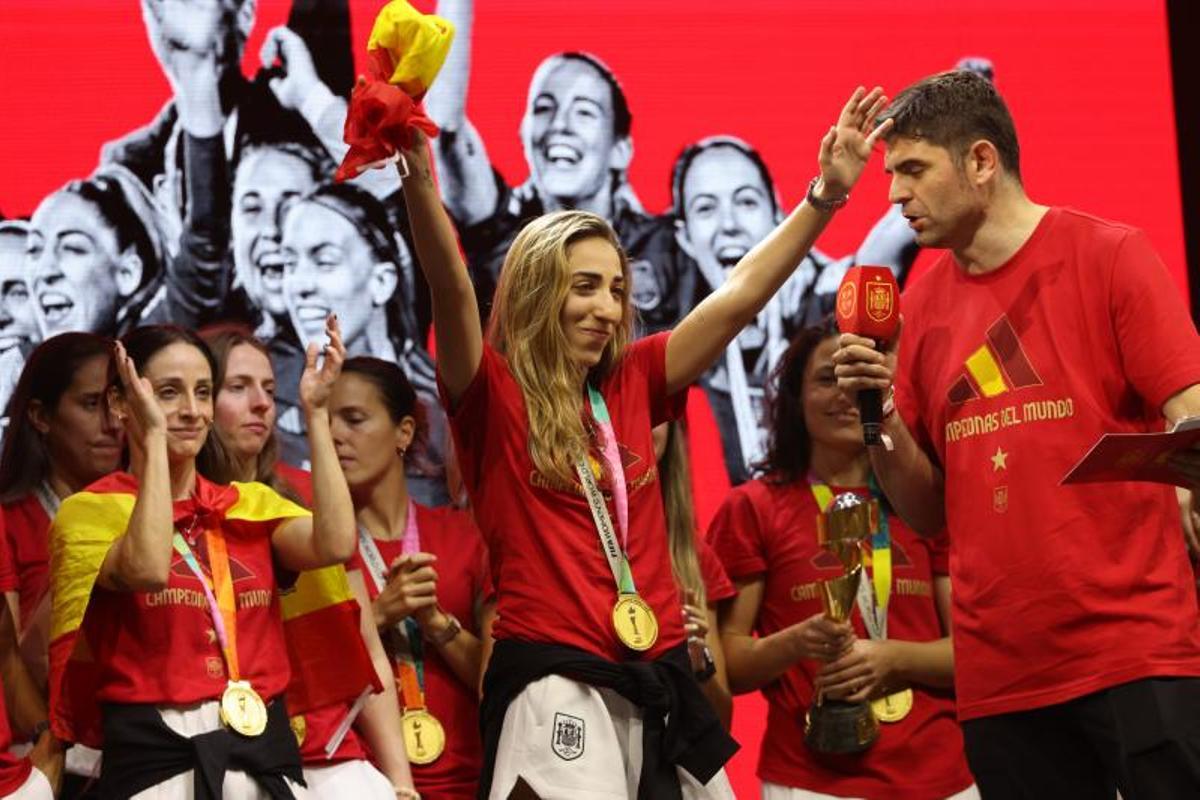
(847, 146)
(316, 384)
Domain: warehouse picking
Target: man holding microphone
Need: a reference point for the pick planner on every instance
(1077, 648)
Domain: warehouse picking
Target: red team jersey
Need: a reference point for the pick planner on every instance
(769, 531)
(555, 584)
(717, 585)
(160, 647)
(13, 771)
(28, 547)
(1007, 379)
(462, 585)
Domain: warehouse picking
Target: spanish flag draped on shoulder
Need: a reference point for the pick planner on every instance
(320, 614)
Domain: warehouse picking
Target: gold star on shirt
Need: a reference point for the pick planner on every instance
(211, 634)
(1000, 460)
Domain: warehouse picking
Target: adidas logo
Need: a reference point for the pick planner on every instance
(998, 366)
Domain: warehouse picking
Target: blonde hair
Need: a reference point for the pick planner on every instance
(675, 480)
(534, 283)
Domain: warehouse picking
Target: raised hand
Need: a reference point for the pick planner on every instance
(299, 75)
(176, 26)
(187, 38)
(138, 408)
(847, 146)
(316, 384)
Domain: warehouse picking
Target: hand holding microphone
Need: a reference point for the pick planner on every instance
(868, 315)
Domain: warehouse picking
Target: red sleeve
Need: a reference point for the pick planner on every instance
(1160, 352)
(906, 381)
(939, 554)
(649, 356)
(717, 585)
(469, 420)
(736, 534)
(8, 578)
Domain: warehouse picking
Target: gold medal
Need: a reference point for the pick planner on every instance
(242, 709)
(424, 738)
(299, 728)
(635, 623)
(893, 707)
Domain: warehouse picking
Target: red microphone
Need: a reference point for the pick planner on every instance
(868, 305)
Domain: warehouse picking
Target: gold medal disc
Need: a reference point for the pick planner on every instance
(243, 710)
(636, 625)
(424, 737)
(893, 707)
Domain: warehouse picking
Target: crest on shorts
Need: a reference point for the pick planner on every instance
(567, 743)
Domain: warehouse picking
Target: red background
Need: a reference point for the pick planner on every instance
(1088, 82)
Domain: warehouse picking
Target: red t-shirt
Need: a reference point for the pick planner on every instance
(717, 585)
(554, 583)
(13, 771)
(160, 647)
(770, 531)
(462, 586)
(28, 549)
(1008, 379)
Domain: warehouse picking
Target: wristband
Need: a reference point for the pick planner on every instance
(405, 793)
(448, 635)
(828, 206)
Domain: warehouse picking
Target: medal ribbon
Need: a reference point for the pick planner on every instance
(407, 645)
(222, 605)
(47, 498)
(873, 598)
(616, 552)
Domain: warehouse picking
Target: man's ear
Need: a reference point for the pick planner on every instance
(128, 273)
(983, 162)
(383, 282)
(621, 154)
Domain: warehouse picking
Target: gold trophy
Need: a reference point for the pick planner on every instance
(835, 726)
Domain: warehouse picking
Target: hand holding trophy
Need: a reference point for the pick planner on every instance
(837, 726)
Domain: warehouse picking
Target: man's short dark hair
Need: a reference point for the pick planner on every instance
(952, 110)
(622, 117)
(683, 163)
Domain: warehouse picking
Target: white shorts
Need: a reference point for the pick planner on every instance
(82, 760)
(193, 721)
(35, 787)
(773, 791)
(356, 779)
(572, 741)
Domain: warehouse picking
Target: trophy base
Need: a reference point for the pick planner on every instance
(841, 728)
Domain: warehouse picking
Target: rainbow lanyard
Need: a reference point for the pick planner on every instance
(219, 593)
(873, 598)
(616, 553)
(408, 649)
